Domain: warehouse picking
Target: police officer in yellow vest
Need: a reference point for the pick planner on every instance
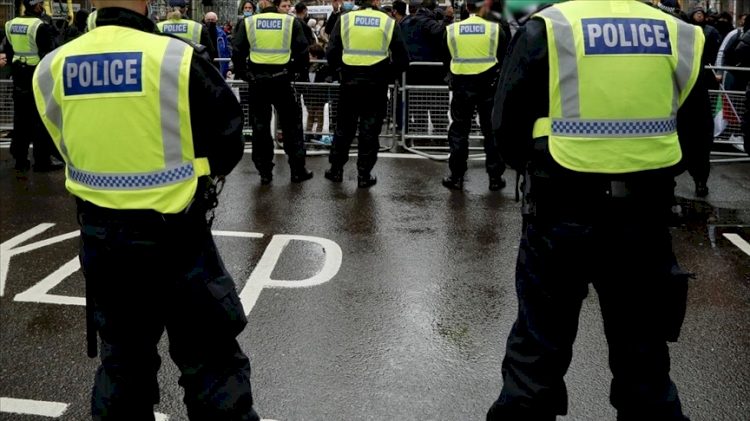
(600, 104)
(28, 39)
(177, 25)
(145, 123)
(474, 51)
(269, 49)
(359, 46)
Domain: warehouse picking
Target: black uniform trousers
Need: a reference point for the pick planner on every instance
(631, 268)
(467, 97)
(146, 272)
(279, 93)
(361, 106)
(27, 123)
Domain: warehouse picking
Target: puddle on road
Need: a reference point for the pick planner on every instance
(700, 215)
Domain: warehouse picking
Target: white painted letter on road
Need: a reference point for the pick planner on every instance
(261, 276)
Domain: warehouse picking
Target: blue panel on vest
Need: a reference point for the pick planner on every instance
(103, 73)
(612, 36)
(270, 24)
(17, 29)
(175, 28)
(366, 21)
(471, 29)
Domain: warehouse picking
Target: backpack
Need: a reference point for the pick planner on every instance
(731, 57)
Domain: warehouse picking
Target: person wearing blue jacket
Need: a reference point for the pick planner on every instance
(220, 40)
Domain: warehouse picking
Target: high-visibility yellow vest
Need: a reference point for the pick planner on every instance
(366, 35)
(183, 28)
(270, 37)
(21, 33)
(473, 45)
(619, 71)
(91, 21)
(115, 101)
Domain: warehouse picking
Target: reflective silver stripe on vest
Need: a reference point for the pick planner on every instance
(454, 44)
(684, 70)
(52, 109)
(32, 37)
(345, 35)
(175, 169)
(613, 128)
(169, 97)
(285, 42)
(133, 181)
(196, 33)
(567, 62)
(383, 52)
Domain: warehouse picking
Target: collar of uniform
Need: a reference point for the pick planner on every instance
(370, 7)
(124, 17)
(31, 14)
(271, 9)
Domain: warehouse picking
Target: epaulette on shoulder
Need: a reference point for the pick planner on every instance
(522, 21)
(199, 48)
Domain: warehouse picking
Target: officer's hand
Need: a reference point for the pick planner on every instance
(3, 60)
(229, 74)
(449, 11)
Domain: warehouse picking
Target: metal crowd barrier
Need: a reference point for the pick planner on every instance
(425, 118)
(319, 103)
(424, 114)
(728, 103)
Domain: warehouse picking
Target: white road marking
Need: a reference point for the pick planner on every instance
(7, 249)
(739, 242)
(261, 276)
(161, 417)
(38, 293)
(237, 234)
(32, 407)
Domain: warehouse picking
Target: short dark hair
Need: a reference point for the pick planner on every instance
(399, 7)
(317, 51)
(277, 3)
(300, 7)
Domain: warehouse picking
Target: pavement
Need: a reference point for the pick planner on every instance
(392, 303)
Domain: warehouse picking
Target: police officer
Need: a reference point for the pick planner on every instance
(474, 50)
(359, 47)
(186, 28)
(271, 40)
(148, 125)
(28, 40)
(612, 97)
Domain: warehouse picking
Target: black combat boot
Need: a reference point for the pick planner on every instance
(366, 180)
(335, 174)
(497, 183)
(300, 175)
(454, 182)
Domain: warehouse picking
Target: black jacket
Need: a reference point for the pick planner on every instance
(299, 62)
(383, 72)
(307, 30)
(216, 117)
(742, 51)
(523, 97)
(713, 39)
(424, 36)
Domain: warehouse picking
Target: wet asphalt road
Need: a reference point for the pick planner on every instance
(414, 322)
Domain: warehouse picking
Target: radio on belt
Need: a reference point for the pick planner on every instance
(103, 73)
(613, 36)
